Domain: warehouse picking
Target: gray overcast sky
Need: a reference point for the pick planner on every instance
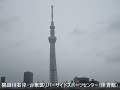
(88, 39)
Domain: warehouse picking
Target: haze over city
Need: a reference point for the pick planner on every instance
(87, 31)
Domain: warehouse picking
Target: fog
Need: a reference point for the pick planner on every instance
(88, 39)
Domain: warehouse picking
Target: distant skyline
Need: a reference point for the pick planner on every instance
(88, 39)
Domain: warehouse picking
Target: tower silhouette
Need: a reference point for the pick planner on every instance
(52, 40)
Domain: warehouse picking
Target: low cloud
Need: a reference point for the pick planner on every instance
(114, 26)
(6, 23)
(102, 42)
(77, 31)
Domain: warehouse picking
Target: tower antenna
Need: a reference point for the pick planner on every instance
(52, 12)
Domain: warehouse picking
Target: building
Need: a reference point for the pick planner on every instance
(52, 40)
(81, 80)
(96, 83)
(2, 79)
(28, 77)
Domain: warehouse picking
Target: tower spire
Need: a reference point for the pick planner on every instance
(52, 27)
(52, 12)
